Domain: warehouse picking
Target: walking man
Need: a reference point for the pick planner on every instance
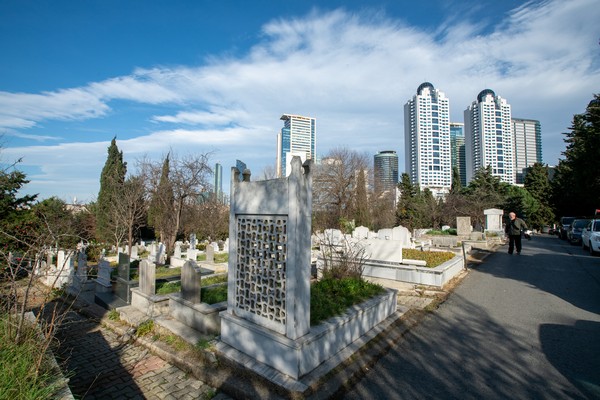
(513, 230)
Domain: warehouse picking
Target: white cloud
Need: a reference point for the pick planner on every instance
(353, 72)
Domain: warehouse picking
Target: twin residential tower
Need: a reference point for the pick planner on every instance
(490, 137)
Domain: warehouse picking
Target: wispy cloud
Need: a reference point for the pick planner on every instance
(351, 71)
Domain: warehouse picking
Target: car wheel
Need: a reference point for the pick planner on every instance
(583, 246)
(592, 252)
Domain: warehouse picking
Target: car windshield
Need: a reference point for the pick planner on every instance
(566, 220)
(580, 223)
(596, 226)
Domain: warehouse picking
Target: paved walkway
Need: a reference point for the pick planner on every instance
(104, 365)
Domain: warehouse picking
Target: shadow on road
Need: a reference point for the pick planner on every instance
(467, 349)
(555, 267)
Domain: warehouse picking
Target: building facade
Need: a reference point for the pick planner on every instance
(427, 140)
(298, 137)
(457, 150)
(527, 135)
(489, 139)
(385, 168)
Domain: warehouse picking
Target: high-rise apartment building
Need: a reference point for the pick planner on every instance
(457, 150)
(385, 166)
(488, 137)
(427, 140)
(298, 137)
(528, 145)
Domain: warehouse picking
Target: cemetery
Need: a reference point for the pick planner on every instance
(260, 282)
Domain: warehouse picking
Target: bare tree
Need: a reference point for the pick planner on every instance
(209, 220)
(269, 172)
(188, 179)
(334, 186)
(130, 209)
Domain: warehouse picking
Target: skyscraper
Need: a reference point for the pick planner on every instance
(385, 171)
(298, 137)
(488, 137)
(427, 139)
(528, 145)
(457, 150)
(218, 182)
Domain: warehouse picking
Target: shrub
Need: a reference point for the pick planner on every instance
(25, 372)
(344, 260)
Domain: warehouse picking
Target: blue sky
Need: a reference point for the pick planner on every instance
(215, 76)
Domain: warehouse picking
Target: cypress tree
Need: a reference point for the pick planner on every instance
(111, 187)
(161, 210)
(362, 201)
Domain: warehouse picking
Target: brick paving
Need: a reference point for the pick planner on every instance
(102, 364)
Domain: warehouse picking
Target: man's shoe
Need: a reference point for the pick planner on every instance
(518, 253)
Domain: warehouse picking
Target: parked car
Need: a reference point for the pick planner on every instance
(565, 224)
(574, 232)
(590, 236)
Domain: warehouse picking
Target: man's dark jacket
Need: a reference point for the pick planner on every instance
(515, 226)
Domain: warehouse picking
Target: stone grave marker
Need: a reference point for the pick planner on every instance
(463, 226)
(210, 254)
(402, 234)
(362, 232)
(147, 277)
(191, 282)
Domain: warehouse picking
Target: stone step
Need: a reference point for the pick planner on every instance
(132, 315)
(109, 300)
(188, 334)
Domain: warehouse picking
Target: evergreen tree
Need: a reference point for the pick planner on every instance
(161, 213)
(456, 183)
(111, 187)
(408, 211)
(14, 210)
(361, 206)
(576, 187)
(538, 185)
(484, 191)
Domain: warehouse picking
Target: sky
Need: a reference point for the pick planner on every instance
(202, 76)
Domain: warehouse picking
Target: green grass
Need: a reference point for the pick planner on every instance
(113, 315)
(163, 272)
(214, 295)
(331, 297)
(145, 328)
(432, 258)
(219, 257)
(450, 231)
(213, 280)
(18, 377)
(172, 287)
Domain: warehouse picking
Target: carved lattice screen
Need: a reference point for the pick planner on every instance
(261, 266)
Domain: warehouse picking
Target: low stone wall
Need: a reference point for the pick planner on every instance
(420, 275)
(298, 357)
(201, 316)
(153, 305)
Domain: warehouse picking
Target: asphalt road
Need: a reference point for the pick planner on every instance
(517, 327)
